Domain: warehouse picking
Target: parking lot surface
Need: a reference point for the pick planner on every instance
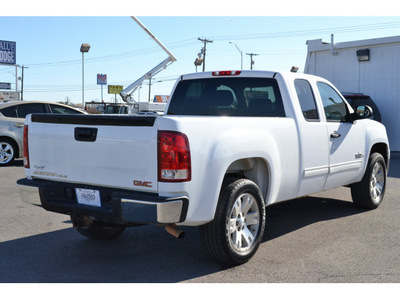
(320, 238)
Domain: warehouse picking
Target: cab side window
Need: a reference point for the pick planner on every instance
(306, 99)
(335, 108)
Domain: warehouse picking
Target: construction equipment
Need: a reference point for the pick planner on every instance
(126, 94)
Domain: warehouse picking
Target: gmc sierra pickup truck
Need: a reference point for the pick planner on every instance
(230, 144)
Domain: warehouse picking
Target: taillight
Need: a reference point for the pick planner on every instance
(226, 73)
(173, 157)
(26, 150)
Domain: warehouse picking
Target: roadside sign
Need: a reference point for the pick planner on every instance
(5, 86)
(161, 98)
(8, 52)
(9, 96)
(115, 89)
(102, 79)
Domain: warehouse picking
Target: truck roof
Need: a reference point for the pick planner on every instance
(245, 73)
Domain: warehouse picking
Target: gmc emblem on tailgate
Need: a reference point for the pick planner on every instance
(142, 183)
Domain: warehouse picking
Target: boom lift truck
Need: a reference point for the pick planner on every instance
(135, 107)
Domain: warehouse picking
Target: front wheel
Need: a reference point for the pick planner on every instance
(369, 192)
(235, 234)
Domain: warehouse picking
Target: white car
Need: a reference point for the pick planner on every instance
(12, 119)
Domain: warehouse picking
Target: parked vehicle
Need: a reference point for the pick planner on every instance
(356, 99)
(230, 144)
(12, 119)
(106, 108)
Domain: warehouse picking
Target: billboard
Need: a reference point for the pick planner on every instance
(8, 52)
(102, 79)
(115, 89)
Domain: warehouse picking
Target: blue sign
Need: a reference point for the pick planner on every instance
(5, 86)
(102, 79)
(8, 52)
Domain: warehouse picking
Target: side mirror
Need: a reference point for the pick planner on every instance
(362, 112)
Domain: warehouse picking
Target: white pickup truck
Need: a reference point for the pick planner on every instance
(230, 144)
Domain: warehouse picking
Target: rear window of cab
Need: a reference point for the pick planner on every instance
(227, 96)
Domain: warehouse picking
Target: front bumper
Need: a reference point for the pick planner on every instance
(117, 205)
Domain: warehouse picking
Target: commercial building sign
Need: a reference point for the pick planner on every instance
(8, 52)
(102, 79)
(5, 86)
(115, 89)
(9, 96)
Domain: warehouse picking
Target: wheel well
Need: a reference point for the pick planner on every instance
(8, 139)
(382, 149)
(256, 169)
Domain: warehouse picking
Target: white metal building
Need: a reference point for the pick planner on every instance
(371, 67)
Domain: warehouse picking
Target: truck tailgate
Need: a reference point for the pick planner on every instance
(112, 151)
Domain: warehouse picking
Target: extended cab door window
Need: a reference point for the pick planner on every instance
(314, 141)
(335, 108)
(306, 99)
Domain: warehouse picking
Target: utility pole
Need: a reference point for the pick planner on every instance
(22, 83)
(251, 59)
(205, 41)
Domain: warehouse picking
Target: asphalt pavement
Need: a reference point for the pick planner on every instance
(320, 238)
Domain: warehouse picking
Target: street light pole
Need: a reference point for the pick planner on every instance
(241, 55)
(84, 48)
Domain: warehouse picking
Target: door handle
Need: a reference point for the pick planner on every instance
(335, 135)
(19, 125)
(83, 134)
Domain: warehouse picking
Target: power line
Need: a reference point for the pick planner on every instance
(355, 28)
(190, 42)
(122, 55)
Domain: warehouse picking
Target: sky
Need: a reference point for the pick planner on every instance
(48, 44)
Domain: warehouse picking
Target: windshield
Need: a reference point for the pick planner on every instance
(227, 96)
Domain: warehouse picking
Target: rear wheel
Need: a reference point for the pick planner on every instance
(8, 150)
(369, 192)
(235, 234)
(97, 230)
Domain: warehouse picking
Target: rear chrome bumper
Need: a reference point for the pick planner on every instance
(29, 194)
(118, 206)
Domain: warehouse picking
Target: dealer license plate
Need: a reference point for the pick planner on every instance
(88, 197)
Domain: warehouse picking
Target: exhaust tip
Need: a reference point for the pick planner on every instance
(174, 231)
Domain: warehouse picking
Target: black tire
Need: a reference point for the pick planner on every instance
(8, 151)
(232, 237)
(369, 192)
(97, 230)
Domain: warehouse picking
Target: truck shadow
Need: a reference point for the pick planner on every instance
(15, 163)
(143, 254)
(289, 216)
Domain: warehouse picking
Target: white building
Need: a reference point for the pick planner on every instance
(371, 67)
